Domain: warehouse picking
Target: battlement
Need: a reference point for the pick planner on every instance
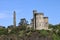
(45, 17)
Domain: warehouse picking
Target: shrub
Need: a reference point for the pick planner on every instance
(44, 33)
(21, 33)
(55, 37)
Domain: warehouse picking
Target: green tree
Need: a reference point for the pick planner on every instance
(23, 24)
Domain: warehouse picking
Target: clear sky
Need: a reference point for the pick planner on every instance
(24, 8)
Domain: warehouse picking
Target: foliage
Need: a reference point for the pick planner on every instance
(43, 33)
(3, 31)
(23, 24)
(14, 31)
(55, 37)
(29, 33)
(21, 33)
(58, 33)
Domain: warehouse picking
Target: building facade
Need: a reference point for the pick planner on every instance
(38, 21)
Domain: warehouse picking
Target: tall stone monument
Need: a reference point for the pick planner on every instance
(14, 19)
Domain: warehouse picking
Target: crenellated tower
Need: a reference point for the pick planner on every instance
(39, 21)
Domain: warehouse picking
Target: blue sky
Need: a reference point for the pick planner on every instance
(24, 8)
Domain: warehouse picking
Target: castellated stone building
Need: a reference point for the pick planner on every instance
(38, 21)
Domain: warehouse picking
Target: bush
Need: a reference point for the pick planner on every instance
(13, 31)
(28, 34)
(44, 33)
(21, 33)
(3, 31)
(55, 37)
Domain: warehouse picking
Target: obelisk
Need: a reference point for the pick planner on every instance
(14, 19)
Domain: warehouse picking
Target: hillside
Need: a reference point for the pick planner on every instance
(23, 33)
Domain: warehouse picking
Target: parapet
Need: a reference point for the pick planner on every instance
(45, 17)
(37, 13)
(41, 13)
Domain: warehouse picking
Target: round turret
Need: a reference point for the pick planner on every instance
(34, 11)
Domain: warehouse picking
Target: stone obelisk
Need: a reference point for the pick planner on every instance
(14, 19)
